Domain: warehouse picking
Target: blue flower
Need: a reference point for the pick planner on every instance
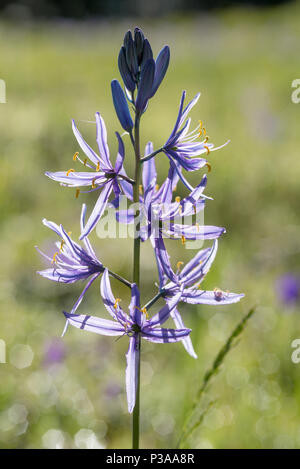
(182, 147)
(135, 325)
(103, 174)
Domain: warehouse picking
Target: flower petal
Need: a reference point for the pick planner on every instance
(134, 307)
(101, 138)
(97, 210)
(195, 296)
(132, 358)
(162, 335)
(94, 324)
(186, 341)
(85, 146)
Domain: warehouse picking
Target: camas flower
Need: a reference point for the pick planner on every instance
(71, 262)
(182, 147)
(159, 213)
(134, 325)
(103, 174)
(188, 281)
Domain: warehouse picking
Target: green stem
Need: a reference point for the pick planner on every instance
(136, 277)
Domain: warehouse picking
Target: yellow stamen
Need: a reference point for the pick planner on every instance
(75, 156)
(141, 189)
(98, 166)
(54, 257)
(206, 139)
(208, 167)
(144, 311)
(156, 187)
(69, 233)
(71, 170)
(117, 303)
(204, 131)
(182, 239)
(179, 264)
(93, 183)
(61, 245)
(207, 149)
(77, 193)
(177, 199)
(85, 162)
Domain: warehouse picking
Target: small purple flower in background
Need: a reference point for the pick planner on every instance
(55, 352)
(288, 289)
(133, 325)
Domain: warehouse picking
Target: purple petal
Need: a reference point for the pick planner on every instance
(134, 307)
(217, 297)
(186, 342)
(132, 358)
(80, 298)
(149, 170)
(97, 210)
(94, 324)
(164, 259)
(109, 300)
(162, 335)
(101, 138)
(77, 179)
(86, 241)
(195, 231)
(85, 146)
(120, 155)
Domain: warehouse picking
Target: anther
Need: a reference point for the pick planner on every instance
(117, 303)
(141, 189)
(182, 239)
(61, 245)
(71, 170)
(75, 156)
(208, 167)
(98, 166)
(85, 162)
(77, 193)
(93, 183)
(179, 264)
(207, 149)
(156, 187)
(177, 199)
(54, 257)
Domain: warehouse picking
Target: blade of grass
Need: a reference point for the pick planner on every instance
(189, 425)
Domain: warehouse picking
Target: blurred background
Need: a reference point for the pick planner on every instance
(57, 60)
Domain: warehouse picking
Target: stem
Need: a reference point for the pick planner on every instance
(121, 279)
(154, 299)
(136, 278)
(148, 157)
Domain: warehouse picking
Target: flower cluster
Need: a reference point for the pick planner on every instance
(186, 151)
